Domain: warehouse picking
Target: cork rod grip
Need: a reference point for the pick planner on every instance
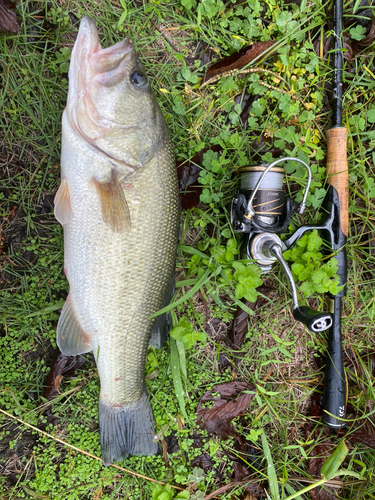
(337, 171)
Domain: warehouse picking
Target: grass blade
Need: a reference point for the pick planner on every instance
(271, 472)
(176, 375)
(206, 277)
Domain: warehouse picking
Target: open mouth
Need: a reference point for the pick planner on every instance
(90, 62)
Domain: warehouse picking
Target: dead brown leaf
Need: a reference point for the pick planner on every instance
(364, 432)
(8, 18)
(230, 403)
(370, 37)
(321, 451)
(254, 490)
(61, 366)
(57, 382)
(240, 324)
(188, 173)
(323, 47)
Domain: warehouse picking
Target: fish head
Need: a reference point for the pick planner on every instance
(110, 101)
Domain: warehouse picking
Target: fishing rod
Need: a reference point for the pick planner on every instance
(335, 386)
(261, 211)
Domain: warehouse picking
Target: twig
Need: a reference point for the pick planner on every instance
(332, 483)
(138, 4)
(165, 38)
(224, 488)
(236, 72)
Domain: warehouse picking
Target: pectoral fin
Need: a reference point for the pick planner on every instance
(63, 208)
(70, 336)
(115, 210)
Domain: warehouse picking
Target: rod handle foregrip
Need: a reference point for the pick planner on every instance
(337, 170)
(335, 387)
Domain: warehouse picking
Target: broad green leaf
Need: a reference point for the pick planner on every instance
(371, 115)
(182, 495)
(332, 464)
(296, 268)
(184, 332)
(307, 288)
(352, 473)
(318, 275)
(251, 295)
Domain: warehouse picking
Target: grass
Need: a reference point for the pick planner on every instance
(278, 355)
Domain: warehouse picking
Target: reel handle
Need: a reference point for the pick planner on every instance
(265, 249)
(315, 321)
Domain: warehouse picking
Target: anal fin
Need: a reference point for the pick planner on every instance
(115, 210)
(160, 331)
(70, 336)
(63, 209)
(163, 323)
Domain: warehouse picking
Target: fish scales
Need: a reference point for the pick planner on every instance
(118, 203)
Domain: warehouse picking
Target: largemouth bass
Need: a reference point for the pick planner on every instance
(118, 204)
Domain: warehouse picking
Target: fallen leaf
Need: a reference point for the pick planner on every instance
(172, 443)
(240, 59)
(316, 408)
(230, 403)
(257, 490)
(323, 47)
(246, 101)
(361, 431)
(61, 366)
(321, 451)
(240, 323)
(57, 382)
(8, 18)
(188, 173)
(324, 493)
(368, 22)
(204, 461)
(370, 37)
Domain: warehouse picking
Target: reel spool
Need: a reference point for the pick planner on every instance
(261, 204)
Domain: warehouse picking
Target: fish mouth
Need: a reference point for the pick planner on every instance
(90, 62)
(91, 69)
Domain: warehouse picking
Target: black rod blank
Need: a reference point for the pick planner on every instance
(338, 64)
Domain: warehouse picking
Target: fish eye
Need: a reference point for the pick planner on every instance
(138, 78)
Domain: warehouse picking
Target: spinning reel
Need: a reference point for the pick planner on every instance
(261, 211)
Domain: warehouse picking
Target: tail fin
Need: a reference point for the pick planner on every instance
(126, 430)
